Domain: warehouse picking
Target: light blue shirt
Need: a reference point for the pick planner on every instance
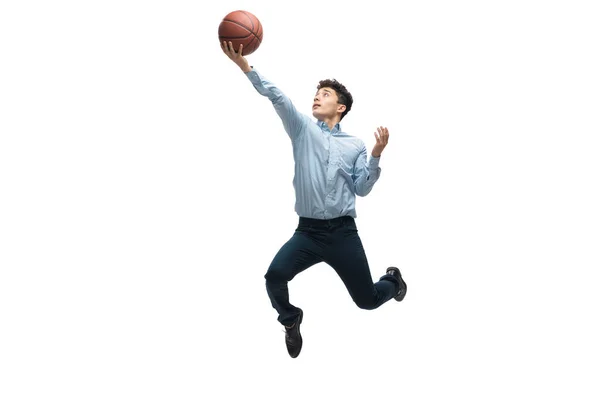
(331, 166)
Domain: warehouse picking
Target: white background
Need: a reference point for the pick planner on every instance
(146, 186)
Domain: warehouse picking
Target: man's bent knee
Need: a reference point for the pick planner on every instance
(366, 304)
(276, 275)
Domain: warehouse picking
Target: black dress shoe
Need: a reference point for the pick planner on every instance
(293, 339)
(396, 273)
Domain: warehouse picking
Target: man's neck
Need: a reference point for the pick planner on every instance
(331, 122)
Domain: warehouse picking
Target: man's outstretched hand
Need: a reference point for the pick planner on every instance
(236, 57)
(381, 141)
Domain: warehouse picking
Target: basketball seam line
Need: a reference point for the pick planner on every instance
(250, 42)
(249, 19)
(246, 28)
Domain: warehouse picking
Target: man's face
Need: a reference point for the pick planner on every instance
(325, 104)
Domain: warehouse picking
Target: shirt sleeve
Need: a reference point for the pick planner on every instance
(293, 121)
(365, 173)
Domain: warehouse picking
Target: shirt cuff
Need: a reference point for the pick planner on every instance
(374, 162)
(253, 76)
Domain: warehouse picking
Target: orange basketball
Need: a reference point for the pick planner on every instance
(241, 27)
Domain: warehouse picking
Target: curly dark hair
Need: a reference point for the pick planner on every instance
(344, 96)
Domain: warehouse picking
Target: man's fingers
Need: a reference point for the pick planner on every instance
(232, 50)
(383, 134)
(226, 47)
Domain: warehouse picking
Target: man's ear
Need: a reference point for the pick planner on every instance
(341, 108)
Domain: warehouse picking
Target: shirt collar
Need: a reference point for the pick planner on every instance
(336, 128)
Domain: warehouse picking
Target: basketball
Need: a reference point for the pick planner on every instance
(241, 27)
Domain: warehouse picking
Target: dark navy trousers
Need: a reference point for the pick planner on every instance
(335, 242)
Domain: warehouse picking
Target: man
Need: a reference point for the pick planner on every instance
(331, 168)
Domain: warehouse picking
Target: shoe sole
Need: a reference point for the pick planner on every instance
(403, 287)
(400, 297)
(299, 321)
